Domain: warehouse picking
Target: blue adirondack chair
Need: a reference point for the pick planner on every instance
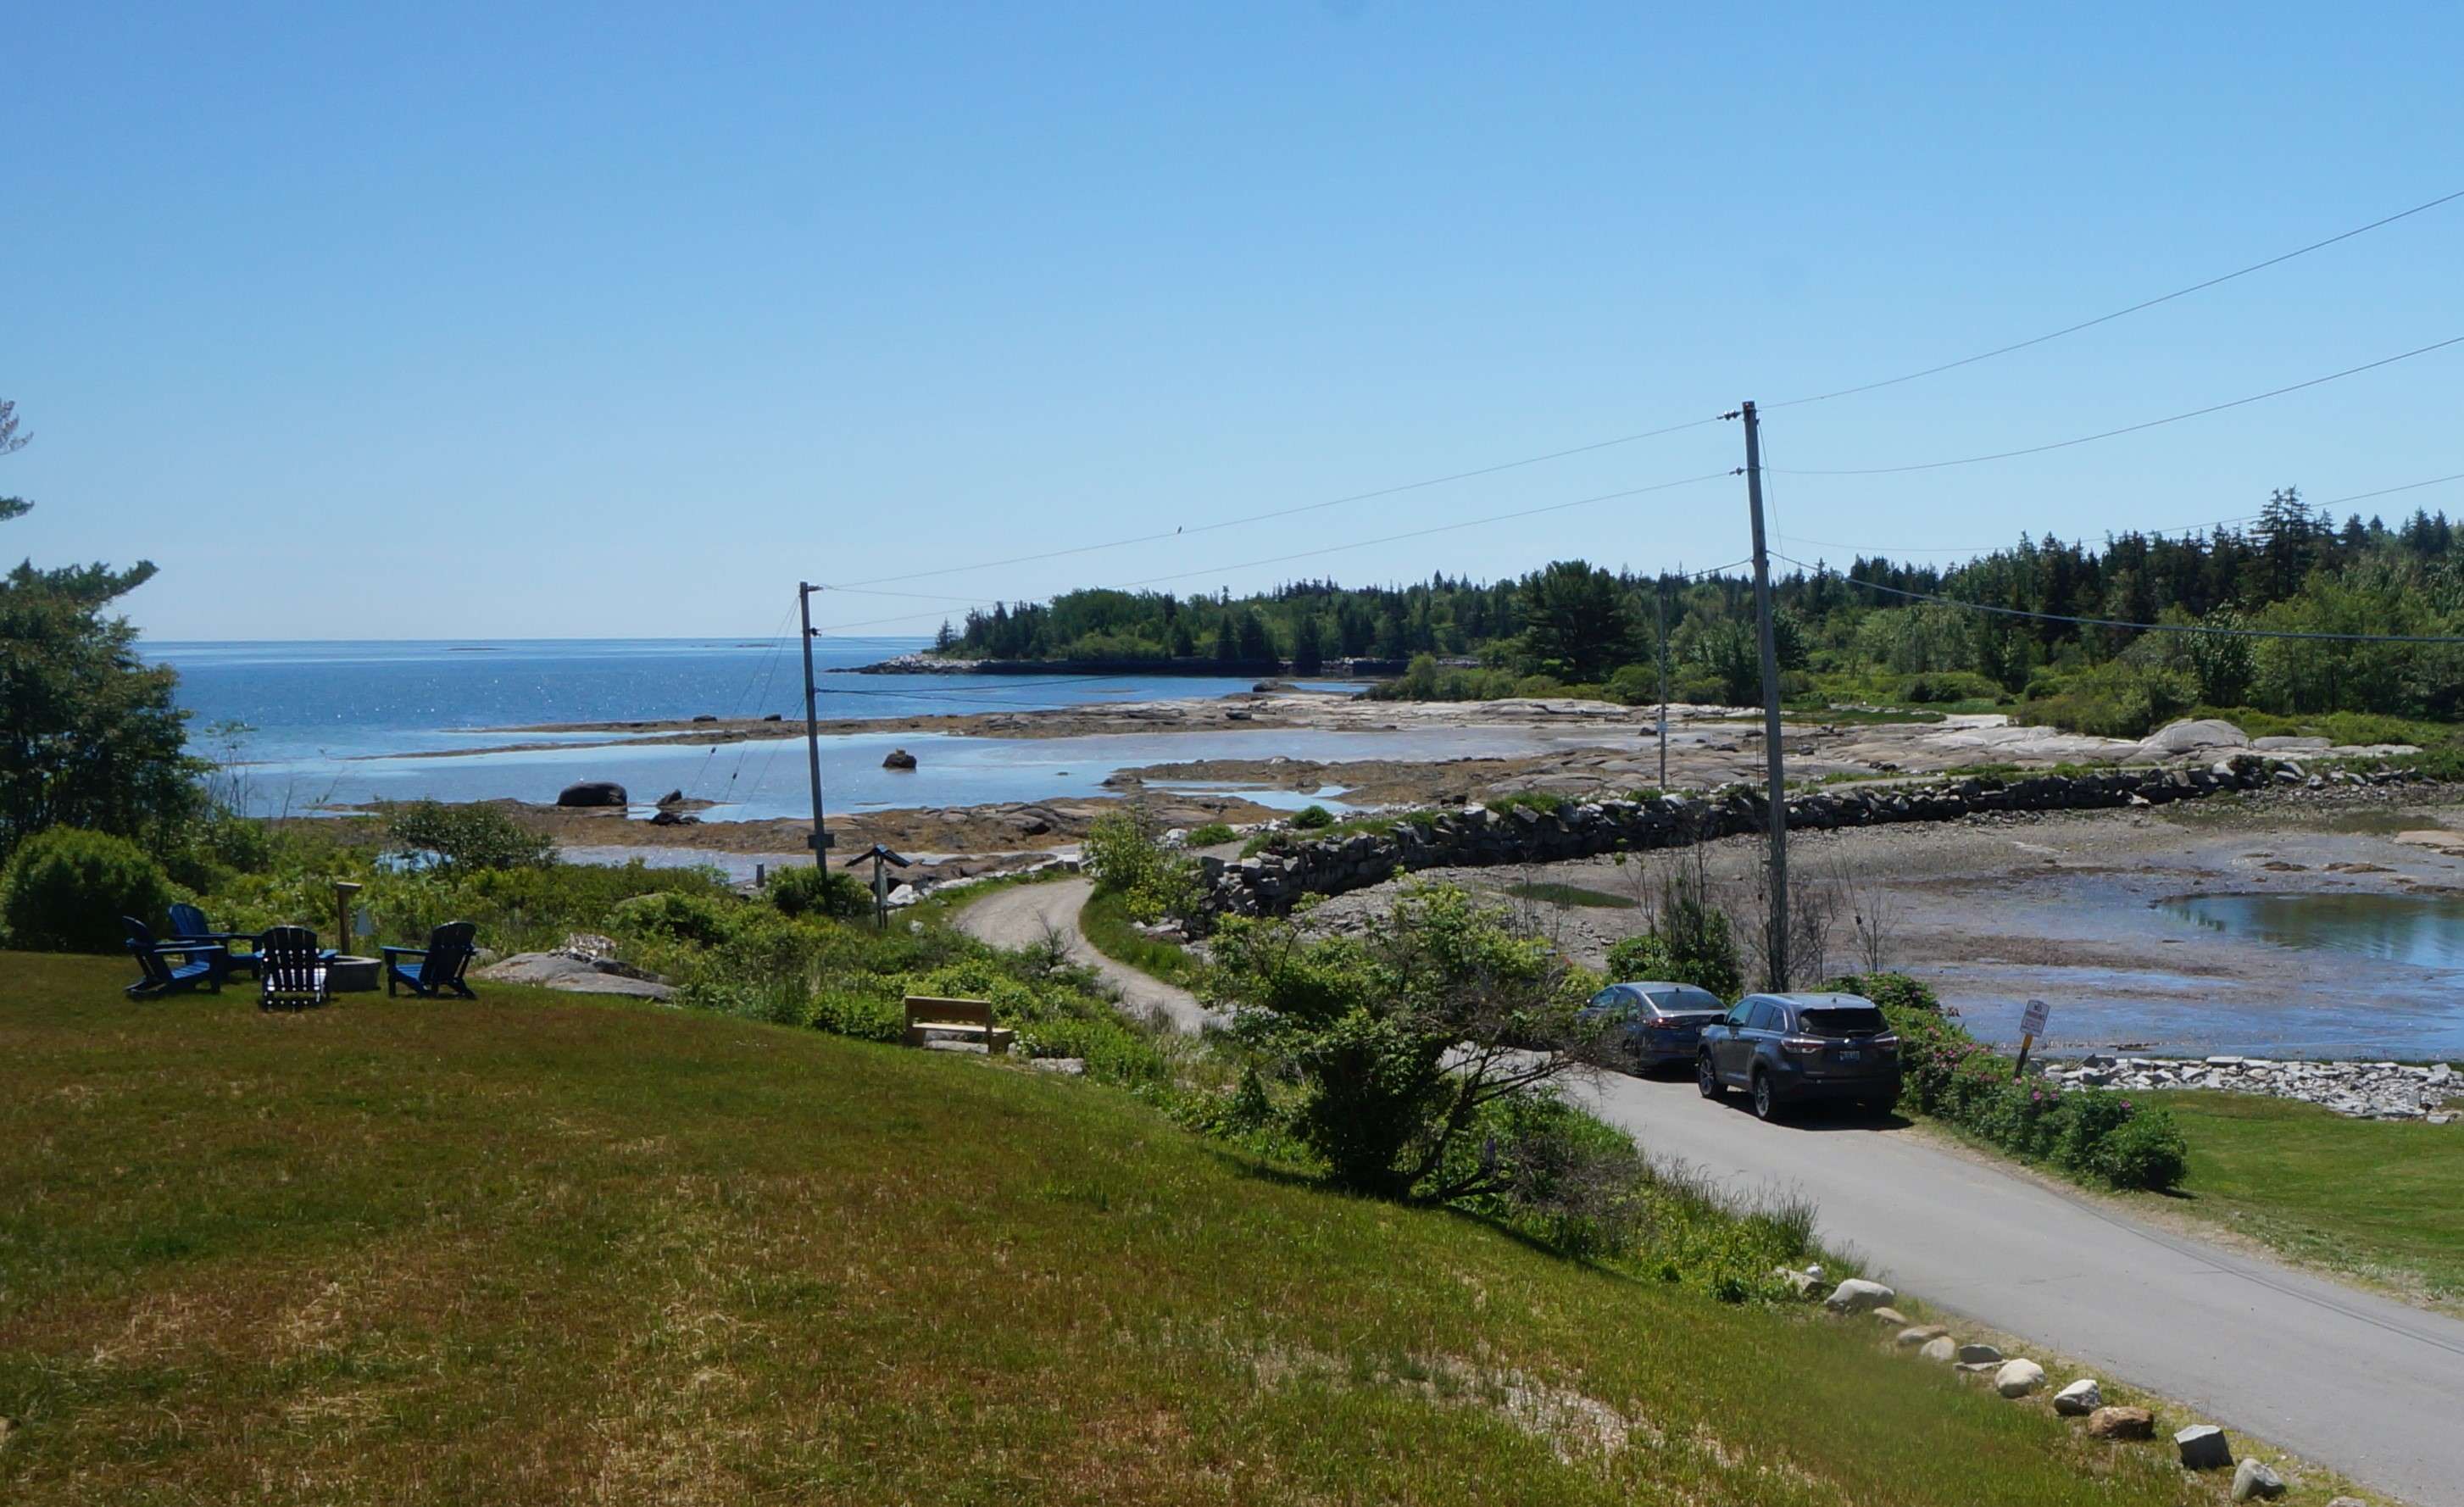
(198, 963)
(440, 965)
(290, 970)
(189, 924)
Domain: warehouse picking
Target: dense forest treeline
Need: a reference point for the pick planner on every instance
(1845, 634)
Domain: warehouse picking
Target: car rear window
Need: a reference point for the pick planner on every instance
(1686, 1001)
(1841, 1022)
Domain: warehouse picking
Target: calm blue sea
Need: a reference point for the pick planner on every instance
(327, 722)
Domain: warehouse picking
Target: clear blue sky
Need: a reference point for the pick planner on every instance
(435, 321)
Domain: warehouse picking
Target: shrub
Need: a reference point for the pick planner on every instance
(819, 892)
(672, 916)
(2115, 700)
(1641, 957)
(1308, 819)
(464, 835)
(1125, 859)
(1209, 834)
(2145, 1151)
(1946, 685)
(1635, 686)
(65, 890)
(1948, 1074)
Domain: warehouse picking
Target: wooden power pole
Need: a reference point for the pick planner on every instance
(1777, 942)
(821, 838)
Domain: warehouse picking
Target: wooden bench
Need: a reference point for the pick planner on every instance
(972, 1017)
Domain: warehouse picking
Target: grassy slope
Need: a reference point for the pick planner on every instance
(536, 1248)
(2373, 1198)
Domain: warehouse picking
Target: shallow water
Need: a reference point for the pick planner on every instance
(767, 777)
(2421, 931)
(327, 722)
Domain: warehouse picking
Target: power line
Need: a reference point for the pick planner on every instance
(2151, 423)
(1336, 548)
(2107, 318)
(1286, 513)
(1672, 429)
(2142, 627)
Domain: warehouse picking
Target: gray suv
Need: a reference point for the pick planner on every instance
(1655, 1025)
(1787, 1049)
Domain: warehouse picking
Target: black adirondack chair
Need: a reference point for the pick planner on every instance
(200, 964)
(439, 965)
(189, 924)
(290, 970)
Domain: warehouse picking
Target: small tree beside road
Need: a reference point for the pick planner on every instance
(1414, 1042)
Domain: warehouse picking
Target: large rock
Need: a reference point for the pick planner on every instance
(2018, 1378)
(1940, 1348)
(1979, 1355)
(1915, 1335)
(572, 975)
(2256, 1482)
(1856, 1294)
(2121, 1423)
(1803, 1284)
(2191, 736)
(2203, 1447)
(592, 793)
(898, 758)
(2080, 1398)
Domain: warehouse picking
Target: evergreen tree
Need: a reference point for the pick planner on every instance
(1309, 654)
(89, 737)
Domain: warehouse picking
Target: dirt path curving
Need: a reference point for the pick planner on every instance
(1022, 916)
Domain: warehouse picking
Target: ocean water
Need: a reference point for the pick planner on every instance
(331, 723)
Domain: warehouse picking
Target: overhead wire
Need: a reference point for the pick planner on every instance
(1336, 548)
(1671, 429)
(2183, 529)
(2134, 429)
(1292, 511)
(2107, 318)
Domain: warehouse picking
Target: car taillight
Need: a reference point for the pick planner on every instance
(1800, 1044)
(1886, 1043)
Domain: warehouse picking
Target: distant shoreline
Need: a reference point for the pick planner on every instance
(1193, 666)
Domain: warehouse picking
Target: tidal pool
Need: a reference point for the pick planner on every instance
(2419, 931)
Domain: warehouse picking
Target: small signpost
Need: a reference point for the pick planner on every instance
(2032, 1025)
(881, 859)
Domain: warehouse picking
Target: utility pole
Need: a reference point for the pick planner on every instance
(1663, 682)
(1779, 779)
(821, 838)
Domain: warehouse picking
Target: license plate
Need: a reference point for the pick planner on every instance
(1846, 1057)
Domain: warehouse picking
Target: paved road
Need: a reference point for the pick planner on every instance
(2359, 1383)
(1021, 915)
(2368, 1385)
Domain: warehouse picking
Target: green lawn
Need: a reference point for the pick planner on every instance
(536, 1248)
(2379, 1199)
(1551, 893)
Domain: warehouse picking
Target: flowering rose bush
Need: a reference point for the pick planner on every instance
(1951, 1075)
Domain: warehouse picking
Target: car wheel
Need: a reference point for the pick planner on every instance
(1764, 1106)
(1707, 1078)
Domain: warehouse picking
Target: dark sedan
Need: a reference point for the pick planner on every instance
(1787, 1049)
(1657, 1023)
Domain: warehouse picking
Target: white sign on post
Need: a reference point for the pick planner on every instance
(2032, 1022)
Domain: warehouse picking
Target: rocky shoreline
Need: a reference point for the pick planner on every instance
(2364, 1090)
(1525, 834)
